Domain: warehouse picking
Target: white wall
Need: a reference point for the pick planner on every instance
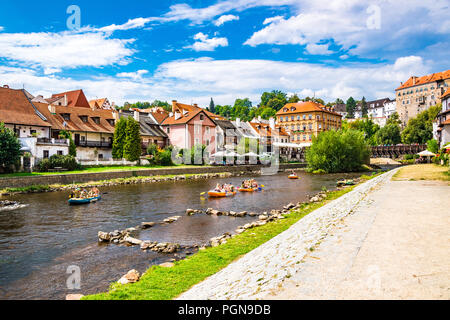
(42, 132)
(89, 154)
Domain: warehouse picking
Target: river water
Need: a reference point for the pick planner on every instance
(38, 243)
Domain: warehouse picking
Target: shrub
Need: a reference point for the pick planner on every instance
(432, 145)
(338, 151)
(67, 162)
(9, 148)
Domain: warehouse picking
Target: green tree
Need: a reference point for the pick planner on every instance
(268, 113)
(274, 94)
(364, 107)
(338, 151)
(119, 138)
(351, 108)
(132, 147)
(212, 106)
(72, 147)
(394, 118)
(432, 145)
(420, 129)
(389, 134)
(366, 126)
(293, 99)
(9, 148)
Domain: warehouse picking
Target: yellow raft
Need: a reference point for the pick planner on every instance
(216, 194)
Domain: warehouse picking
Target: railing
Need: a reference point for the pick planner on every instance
(397, 151)
(94, 144)
(51, 141)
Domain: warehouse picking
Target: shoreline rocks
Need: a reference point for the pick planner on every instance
(7, 205)
(132, 276)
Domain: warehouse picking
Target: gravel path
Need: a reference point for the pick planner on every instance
(261, 272)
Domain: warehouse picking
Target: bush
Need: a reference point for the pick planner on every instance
(159, 157)
(432, 145)
(338, 151)
(67, 162)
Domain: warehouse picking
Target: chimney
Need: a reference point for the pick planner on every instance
(136, 115)
(174, 105)
(52, 109)
(238, 122)
(272, 123)
(414, 80)
(195, 105)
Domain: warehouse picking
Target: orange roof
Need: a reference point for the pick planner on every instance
(446, 94)
(264, 129)
(445, 122)
(307, 106)
(75, 98)
(187, 112)
(75, 123)
(16, 108)
(425, 79)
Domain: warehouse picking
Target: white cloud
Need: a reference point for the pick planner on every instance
(226, 80)
(133, 75)
(225, 18)
(350, 24)
(320, 49)
(54, 51)
(204, 43)
(130, 24)
(1, 28)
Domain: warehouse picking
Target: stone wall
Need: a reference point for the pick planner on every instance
(19, 182)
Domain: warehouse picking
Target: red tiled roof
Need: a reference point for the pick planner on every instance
(307, 106)
(16, 108)
(265, 130)
(425, 79)
(187, 112)
(446, 94)
(75, 123)
(75, 98)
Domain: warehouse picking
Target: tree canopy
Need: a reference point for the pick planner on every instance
(351, 108)
(119, 138)
(132, 147)
(420, 129)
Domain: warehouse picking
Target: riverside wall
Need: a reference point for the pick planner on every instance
(64, 179)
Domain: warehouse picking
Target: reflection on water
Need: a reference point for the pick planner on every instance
(39, 242)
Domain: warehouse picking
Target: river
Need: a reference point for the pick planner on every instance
(39, 242)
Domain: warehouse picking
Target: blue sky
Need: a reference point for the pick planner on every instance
(194, 50)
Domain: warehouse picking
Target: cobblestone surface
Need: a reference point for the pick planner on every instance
(263, 270)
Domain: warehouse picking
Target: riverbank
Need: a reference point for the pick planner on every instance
(166, 283)
(62, 182)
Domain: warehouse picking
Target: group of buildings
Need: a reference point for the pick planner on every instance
(42, 124)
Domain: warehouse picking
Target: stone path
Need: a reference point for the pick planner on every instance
(261, 272)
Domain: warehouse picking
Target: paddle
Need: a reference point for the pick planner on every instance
(202, 193)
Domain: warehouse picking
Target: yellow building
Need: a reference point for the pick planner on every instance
(302, 120)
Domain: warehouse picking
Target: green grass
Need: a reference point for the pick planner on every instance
(160, 283)
(94, 170)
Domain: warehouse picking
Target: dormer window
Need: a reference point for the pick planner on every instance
(202, 117)
(285, 110)
(292, 108)
(96, 120)
(84, 119)
(66, 116)
(111, 122)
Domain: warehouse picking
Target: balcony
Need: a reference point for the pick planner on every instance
(48, 141)
(93, 144)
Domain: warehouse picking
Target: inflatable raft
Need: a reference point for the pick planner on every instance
(249, 189)
(293, 176)
(216, 194)
(84, 200)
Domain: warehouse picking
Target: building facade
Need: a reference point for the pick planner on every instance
(419, 93)
(303, 120)
(442, 123)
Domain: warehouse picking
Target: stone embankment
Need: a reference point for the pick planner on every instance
(265, 268)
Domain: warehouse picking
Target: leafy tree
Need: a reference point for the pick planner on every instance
(351, 108)
(420, 129)
(224, 111)
(72, 147)
(119, 138)
(389, 134)
(432, 145)
(162, 104)
(364, 107)
(394, 118)
(9, 147)
(339, 101)
(268, 113)
(366, 126)
(132, 147)
(276, 104)
(338, 151)
(241, 109)
(293, 99)
(212, 106)
(274, 94)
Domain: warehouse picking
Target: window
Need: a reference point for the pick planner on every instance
(197, 129)
(207, 142)
(96, 120)
(304, 137)
(202, 117)
(304, 117)
(310, 126)
(292, 118)
(111, 122)
(168, 130)
(46, 154)
(100, 155)
(207, 130)
(66, 116)
(197, 141)
(287, 118)
(84, 118)
(32, 131)
(310, 116)
(83, 138)
(298, 117)
(320, 126)
(59, 152)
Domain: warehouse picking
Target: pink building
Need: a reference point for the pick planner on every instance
(188, 126)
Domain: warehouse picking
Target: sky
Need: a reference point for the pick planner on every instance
(192, 51)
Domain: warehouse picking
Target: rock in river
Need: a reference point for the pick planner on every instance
(146, 225)
(131, 277)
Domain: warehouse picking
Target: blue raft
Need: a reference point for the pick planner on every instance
(84, 201)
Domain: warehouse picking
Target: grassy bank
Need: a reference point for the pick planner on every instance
(100, 183)
(427, 171)
(159, 283)
(96, 170)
